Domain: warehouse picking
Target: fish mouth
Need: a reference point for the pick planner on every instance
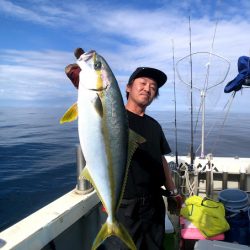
(99, 89)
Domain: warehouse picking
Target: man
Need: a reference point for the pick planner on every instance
(142, 210)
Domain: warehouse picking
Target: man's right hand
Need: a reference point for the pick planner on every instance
(73, 70)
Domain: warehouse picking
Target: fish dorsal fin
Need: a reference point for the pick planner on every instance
(133, 143)
(97, 102)
(70, 115)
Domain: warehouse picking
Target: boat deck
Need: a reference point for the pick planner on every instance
(73, 220)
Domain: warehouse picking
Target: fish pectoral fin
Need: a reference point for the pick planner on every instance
(115, 229)
(97, 102)
(70, 115)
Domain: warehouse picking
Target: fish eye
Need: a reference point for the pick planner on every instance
(97, 65)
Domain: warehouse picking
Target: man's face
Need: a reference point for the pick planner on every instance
(142, 91)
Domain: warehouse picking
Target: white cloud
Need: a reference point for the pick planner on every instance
(34, 76)
(47, 14)
(126, 36)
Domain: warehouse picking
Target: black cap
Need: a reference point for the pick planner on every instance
(155, 74)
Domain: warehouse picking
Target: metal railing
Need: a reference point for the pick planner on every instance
(83, 186)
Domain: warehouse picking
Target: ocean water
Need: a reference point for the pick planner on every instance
(38, 155)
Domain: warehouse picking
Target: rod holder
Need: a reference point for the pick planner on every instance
(242, 181)
(243, 178)
(83, 186)
(224, 180)
(209, 186)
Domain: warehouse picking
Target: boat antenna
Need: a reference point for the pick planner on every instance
(175, 119)
(191, 96)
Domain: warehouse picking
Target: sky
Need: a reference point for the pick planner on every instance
(38, 39)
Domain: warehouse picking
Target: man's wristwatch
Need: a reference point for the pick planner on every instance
(173, 192)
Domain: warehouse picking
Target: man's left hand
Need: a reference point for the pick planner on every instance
(174, 203)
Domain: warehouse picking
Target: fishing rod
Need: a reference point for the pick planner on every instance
(175, 119)
(191, 97)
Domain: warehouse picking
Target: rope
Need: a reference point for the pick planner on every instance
(187, 184)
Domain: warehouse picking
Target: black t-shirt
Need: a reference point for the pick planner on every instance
(146, 174)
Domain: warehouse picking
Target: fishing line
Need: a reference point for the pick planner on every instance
(229, 104)
(210, 130)
(209, 61)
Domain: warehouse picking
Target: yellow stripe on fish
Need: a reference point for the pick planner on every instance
(97, 67)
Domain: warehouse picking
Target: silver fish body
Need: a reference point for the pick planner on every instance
(103, 129)
(105, 139)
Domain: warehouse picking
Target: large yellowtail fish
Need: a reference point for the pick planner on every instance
(106, 141)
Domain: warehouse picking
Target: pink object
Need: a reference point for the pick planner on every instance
(186, 223)
(189, 231)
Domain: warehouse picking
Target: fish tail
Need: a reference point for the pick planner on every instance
(115, 229)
